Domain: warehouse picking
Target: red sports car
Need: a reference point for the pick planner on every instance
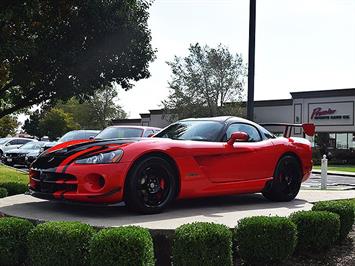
(188, 159)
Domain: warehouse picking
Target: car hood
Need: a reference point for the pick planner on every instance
(33, 153)
(71, 147)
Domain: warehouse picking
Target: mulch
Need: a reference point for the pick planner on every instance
(342, 254)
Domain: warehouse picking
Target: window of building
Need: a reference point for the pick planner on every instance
(342, 141)
(351, 140)
(329, 141)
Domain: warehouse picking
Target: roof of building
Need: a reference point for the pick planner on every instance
(127, 120)
(323, 93)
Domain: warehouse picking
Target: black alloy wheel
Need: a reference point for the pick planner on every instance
(287, 180)
(150, 186)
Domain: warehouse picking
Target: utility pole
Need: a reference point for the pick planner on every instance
(251, 60)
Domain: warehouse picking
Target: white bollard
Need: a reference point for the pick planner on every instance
(324, 172)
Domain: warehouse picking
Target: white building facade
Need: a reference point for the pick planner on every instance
(332, 111)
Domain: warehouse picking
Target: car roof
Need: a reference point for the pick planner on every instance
(138, 127)
(85, 130)
(11, 138)
(223, 119)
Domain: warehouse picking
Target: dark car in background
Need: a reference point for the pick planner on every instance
(72, 135)
(18, 156)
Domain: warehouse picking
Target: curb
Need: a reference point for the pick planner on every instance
(335, 173)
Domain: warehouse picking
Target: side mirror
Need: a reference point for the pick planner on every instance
(150, 135)
(237, 137)
(91, 137)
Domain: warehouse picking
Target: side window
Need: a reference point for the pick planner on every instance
(253, 133)
(13, 142)
(23, 141)
(148, 133)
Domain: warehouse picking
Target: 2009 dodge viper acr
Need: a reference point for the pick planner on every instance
(190, 158)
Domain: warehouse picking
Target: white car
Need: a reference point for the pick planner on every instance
(12, 143)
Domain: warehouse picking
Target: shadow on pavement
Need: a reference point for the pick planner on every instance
(115, 215)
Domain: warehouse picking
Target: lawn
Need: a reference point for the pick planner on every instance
(341, 168)
(8, 174)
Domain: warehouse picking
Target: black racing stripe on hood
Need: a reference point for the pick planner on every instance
(86, 145)
(55, 158)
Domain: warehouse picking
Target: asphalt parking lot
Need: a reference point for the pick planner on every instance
(333, 182)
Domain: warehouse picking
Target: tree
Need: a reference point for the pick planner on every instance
(94, 113)
(97, 111)
(31, 125)
(104, 108)
(204, 81)
(56, 123)
(52, 50)
(8, 126)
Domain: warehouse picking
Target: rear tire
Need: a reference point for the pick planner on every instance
(150, 186)
(287, 180)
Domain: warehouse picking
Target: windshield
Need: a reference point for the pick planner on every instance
(192, 130)
(120, 132)
(72, 135)
(31, 146)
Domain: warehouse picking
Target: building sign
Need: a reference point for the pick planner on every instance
(335, 113)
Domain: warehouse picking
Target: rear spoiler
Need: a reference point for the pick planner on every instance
(308, 128)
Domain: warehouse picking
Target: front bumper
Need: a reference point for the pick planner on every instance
(102, 183)
(11, 160)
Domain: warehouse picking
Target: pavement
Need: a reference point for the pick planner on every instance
(224, 210)
(334, 181)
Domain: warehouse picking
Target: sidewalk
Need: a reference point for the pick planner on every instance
(225, 210)
(340, 173)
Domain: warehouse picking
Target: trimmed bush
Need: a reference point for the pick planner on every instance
(262, 240)
(202, 244)
(344, 209)
(59, 243)
(14, 188)
(124, 246)
(3, 192)
(13, 237)
(317, 230)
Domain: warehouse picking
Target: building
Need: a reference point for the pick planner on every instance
(332, 111)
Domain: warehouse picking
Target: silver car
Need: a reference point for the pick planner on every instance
(7, 144)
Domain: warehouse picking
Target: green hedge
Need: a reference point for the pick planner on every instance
(59, 243)
(3, 192)
(124, 246)
(263, 240)
(202, 244)
(14, 188)
(344, 209)
(317, 230)
(13, 237)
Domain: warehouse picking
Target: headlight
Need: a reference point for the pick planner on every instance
(102, 158)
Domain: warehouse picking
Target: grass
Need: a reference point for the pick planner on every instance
(8, 174)
(340, 168)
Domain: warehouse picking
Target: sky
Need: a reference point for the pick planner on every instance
(301, 45)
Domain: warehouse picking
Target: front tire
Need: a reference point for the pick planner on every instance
(150, 186)
(287, 180)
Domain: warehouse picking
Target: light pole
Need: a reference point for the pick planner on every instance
(251, 60)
